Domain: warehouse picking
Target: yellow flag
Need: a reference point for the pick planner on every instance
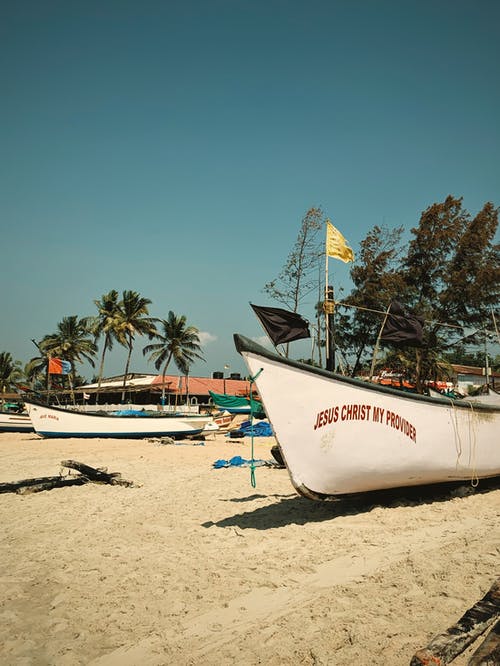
(336, 245)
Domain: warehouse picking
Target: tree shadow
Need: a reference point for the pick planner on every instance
(297, 510)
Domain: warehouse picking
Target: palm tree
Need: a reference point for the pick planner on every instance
(133, 318)
(71, 342)
(106, 323)
(35, 372)
(177, 342)
(10, 372)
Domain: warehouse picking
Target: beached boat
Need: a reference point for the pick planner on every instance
(12, 422)
(50, 421)
(340, 435)
(489, 398)
(236, 404)
(223, 419)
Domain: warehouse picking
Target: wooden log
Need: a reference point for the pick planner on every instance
(58, 482)
(448, 645)
(97, 474)
(87, 473)
(25, 486)
(488, 653)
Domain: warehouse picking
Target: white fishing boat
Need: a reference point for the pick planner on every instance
(340, 435)
(489, 398)
(15, 422)
(50, 421)
(223, 419)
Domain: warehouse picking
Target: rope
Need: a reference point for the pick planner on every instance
(252, 459)
(454, 420)
(474, 480)
(472, 452)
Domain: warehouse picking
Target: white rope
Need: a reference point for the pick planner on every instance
(474, 480)
(472, 445)
(458, 441)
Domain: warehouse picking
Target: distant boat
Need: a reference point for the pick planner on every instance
(236, 404)
(339, 435)
(489, 398)
(12, 422)
(50, 421)
(223, 419)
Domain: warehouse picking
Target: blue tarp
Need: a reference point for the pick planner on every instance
(258, 428)
(237, 461)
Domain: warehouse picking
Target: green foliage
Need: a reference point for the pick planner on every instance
(133, 319)
(72, 342)
(177, 342)
(452, 274)
(106, 324)
(378, 280)
(460, 355)
(448, 274)
(10, 372)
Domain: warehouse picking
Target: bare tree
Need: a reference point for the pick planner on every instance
(299, 275)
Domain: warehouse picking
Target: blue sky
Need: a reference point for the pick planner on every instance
(173, 148)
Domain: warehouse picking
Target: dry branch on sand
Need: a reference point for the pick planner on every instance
(448, 645)
(86, 474)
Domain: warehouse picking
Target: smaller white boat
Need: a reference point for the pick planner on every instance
(12, 422)
(223, 420)
(490, 398)
(50, 421)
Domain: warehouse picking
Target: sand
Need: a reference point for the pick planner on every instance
(196, 566)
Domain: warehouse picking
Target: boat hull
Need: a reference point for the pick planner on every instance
(10, 422)
(57, 422)
(339, 435)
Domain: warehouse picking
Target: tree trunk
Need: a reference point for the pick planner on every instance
(488, 653)
(71, 378)
(127, 367)
(97, 474)
(448, 645)
(418, 371)
(25, 486)
(101, 369)
(164, 372)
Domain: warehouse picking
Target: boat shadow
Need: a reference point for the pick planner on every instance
(297, 510)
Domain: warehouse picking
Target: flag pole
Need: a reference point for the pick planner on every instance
(329, 312)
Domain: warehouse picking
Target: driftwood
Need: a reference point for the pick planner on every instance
(448, 645)
(25, 486)
(87, 474)
(97, 474)
(488, 653)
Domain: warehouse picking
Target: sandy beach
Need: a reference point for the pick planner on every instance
(193, 565)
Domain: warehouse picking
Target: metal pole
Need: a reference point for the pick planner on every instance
(330, 329)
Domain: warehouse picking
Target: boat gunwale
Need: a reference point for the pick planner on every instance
(69, 410)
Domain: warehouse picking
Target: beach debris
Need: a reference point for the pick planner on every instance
(86, 474)
(238, 461)
(163, 441)
(97, 474)
(248, 428)
(488, 653)
(36, 485)
(277, 455)
(446, 646)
